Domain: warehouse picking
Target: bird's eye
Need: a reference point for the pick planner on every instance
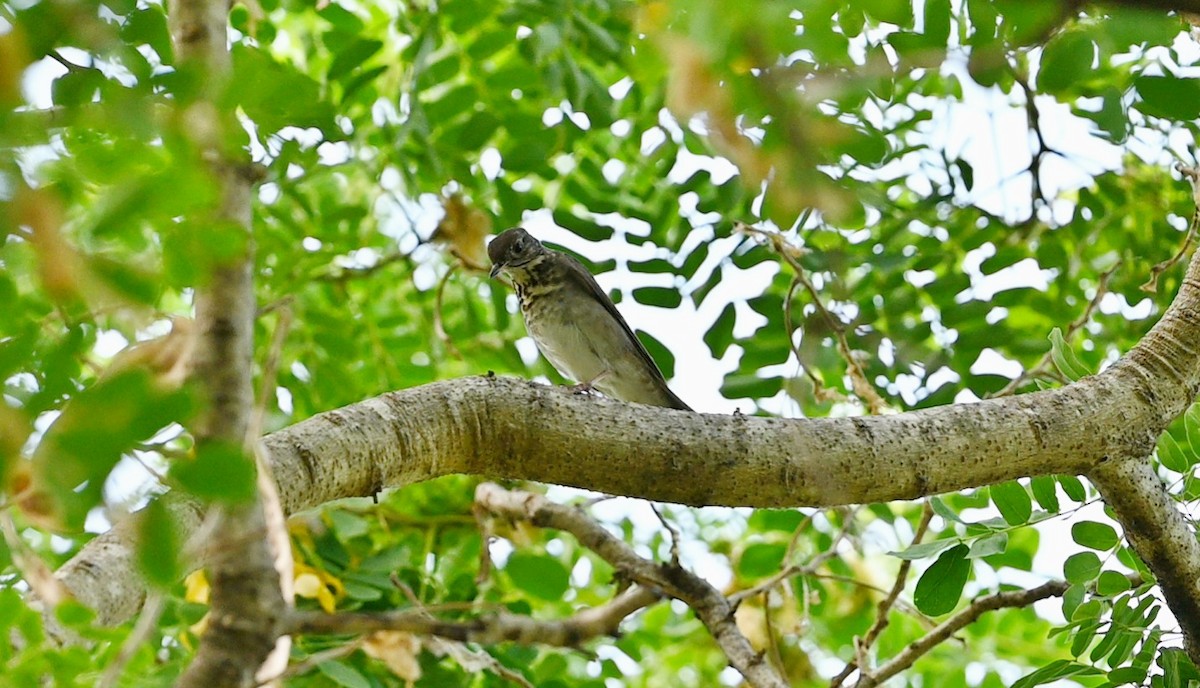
(519, 246)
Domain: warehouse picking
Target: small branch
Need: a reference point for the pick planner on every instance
(1046, 365)
(146, 623)
(33, 570)
(858, 377)
(674, 534)
(1193, 175)
(502, 627)
(885, 605)
(439, 326)
(820, 391)
(709, 605)
(341, 275)
(918, 648)
(943, 631)
(807, 569)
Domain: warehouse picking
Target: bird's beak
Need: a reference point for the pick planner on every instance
(496, 270)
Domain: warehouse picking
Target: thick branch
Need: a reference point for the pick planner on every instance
(709, 605)
(502, 627)
(1160, 535)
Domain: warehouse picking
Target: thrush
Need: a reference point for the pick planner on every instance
(574, 323)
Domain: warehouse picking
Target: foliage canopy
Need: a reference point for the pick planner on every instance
(916, 248)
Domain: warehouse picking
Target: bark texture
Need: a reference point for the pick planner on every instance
(246, 602)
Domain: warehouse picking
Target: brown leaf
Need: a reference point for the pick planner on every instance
(398, 650)
(463, 230)
(168, 358)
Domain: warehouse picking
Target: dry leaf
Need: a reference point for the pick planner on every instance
(398, 650)
(168, 358)
(463, 230)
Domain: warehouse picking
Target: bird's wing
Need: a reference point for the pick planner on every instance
(576, 271)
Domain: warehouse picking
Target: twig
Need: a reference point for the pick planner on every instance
(791, 255)
(807, 569)
(438, 323)
(1151, 285)
(674, 534)
(501, 627)
(885, 605)
(709, 605)
(455, 649)
(341, 275)
(314, 659)
(820, 391)
(147, 620)
(1045, 366)
(36, 574)
(270, 370)
(916, 649)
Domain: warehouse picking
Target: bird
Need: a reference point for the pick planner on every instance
(574, 323)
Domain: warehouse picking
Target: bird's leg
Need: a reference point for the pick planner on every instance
(588, 386)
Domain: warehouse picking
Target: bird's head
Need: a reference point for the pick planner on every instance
(513, 249)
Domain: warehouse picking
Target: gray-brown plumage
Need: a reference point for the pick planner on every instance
(574, 323)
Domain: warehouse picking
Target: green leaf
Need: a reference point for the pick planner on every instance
(343, 674)
(1178, 670)
(219, 472)
(898, 12)
(1126, 675)
(1054, 671)
(158, 545)
(1064, 357)
(720, 335)
(925, 550)
(782, 520)
(664, 297)
(1094, 535)
(1066, 61)
(275, 95)
(1171, 454)
(989, 545)
(91, 434)
(1169, 97)
(74, 614)
(941, 586)
(77, 87)
(1013, 502)
(659, 352)
(750, 387)
(539, 575)
(352, 56)
(761, 559)
(347, 525)
(1073, 487)
(1112, 583)
(1082, 567)
(1045, 491)
(940, 508)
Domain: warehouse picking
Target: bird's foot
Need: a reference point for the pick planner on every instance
(582, 388)
(589, 386)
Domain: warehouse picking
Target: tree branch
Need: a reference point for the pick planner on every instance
(246, 600)
(916, 649)
(498, 628)
(516, 429)
(709, 605)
